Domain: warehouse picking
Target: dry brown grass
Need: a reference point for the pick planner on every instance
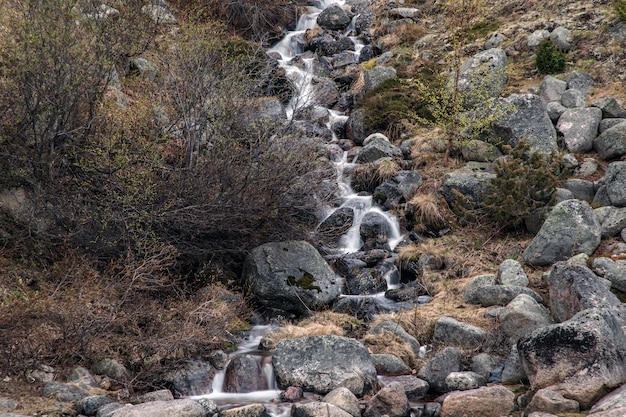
(387, 342)
(366, 177)
(427, 210)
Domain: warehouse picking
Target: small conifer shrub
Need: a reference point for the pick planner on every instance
(525, 183)
(549, 59)
(620, 8)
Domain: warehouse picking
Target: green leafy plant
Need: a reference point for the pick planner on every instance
(525, 183)
(549, 59)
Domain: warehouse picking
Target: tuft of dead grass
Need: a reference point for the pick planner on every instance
(427, 211)
(387, 342)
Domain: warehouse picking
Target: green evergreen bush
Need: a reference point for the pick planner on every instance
(525, 183)
(549, 59)
(620, 8)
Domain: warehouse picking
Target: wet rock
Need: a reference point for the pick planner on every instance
(322, 363)
(317, 409)
(387, 364)
(292, 394)
(335, 225)
(377, 146)
(451, 332)
(290, 276)
(250, 410)
(579, 128)
(571, 227)
(244, 374)
(582, 358)
(343, 398)
(365, 281)
(333, 17)
(193, 378)
(327, 45)
(364, 309)
(522, 316)
(398, 189)
(493, 401)
(439, 367)
(390, 401)
(573, 288)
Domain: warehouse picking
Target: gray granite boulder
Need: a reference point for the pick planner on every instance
(614, 271)
(571, 227)
(414, 387)
(465, 187)
(582, 358)
(194, 377)
(551, 89)
(614, 400)
(243, 374)
(438, 367)
(173, 408)
(377, 75)
(528, 120)
(612, 220)
(317, 409)
(290, 276)
(497, 295)
(343, 398)
(580, 81)
(510, 272)
(390, 365)
(513, 372)
(573, 98)
(522, 316)
(320, 364)
(615, 183)
(333, 17)
(579, 128)
(463, 381)
(390, 401)
(494, 401)
(581, 189)
(573, 288)
(562, 38)
(611, 143)
(481, 77)
(451, 332)
(249, 410)
(377, 146)
(480, 151)
(546, 400)
(610, 107)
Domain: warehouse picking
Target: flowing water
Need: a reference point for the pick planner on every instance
(301, 75)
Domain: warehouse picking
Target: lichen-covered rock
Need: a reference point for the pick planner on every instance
(439, 367)
(377, 146)
(481, 77)
(333, 17)
(615, 183)
(582, 358)
(611, 143)
(495, 401)
(570, 228)
(451, 332)
(522, 316)
(510, 272)
(322, 363)
(573, 288)
(463, 381)
(579, 127)
(290, 276)
(614, 271)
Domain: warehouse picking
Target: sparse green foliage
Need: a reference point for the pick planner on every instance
(549, 59)
(620, 8)
(525, 183)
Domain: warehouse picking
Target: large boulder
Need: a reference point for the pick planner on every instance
(495, 401)
(377, 146)
(464, 188)
(390, 401)
(570, 228)
(611, 143)
(439, 366)
(333, 17)
(481, 77)
(193, 378)
(573, 288)
(582, 358)
(579, 127)
(320, 364)
(243, 374)
(173, 408)
(522, 316)
(290, 276)
(451, 332)
(527, 120)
